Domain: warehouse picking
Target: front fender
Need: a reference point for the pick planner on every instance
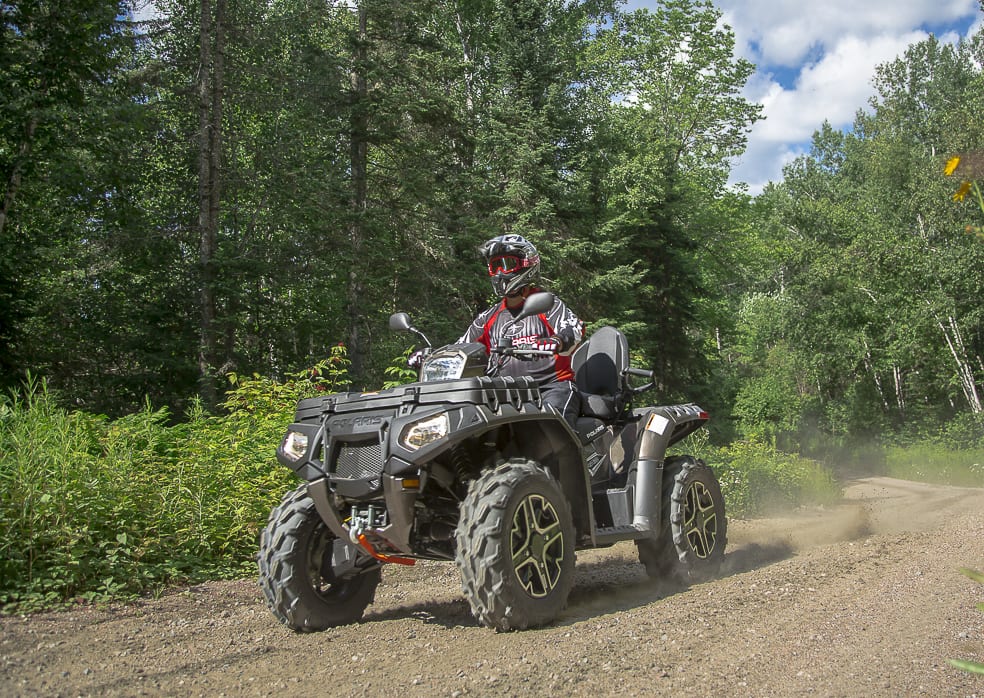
(542, 436)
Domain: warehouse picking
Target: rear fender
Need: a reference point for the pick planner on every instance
(664, 426)
(660, 428)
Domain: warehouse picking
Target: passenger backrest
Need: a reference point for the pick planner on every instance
(599, 362)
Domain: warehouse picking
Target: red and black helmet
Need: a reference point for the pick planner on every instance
(513, 263)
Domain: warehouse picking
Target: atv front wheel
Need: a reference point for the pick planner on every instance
(694, 528)
(514, 546)
(308, 575)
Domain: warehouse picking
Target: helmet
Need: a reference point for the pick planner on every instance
(513, 263)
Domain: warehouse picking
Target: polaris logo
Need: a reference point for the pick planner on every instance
(594, 432)
(356, 422)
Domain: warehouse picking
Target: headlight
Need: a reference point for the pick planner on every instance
(419, 434)
(295, 445)
(444, 366)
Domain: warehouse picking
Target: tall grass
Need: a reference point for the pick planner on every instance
(934, 462)
(93, 509)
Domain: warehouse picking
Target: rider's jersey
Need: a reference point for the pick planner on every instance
(559, 322)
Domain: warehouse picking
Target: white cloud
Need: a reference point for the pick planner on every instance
(787, 32)
(833, 49)
(832, 88)
(816, 62)
(145, 11)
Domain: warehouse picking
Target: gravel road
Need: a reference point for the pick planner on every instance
(862, 599)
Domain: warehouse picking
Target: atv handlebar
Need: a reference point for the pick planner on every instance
(498, 355)
(524, 353)
(639, 373)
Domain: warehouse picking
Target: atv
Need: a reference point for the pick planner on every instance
(469, 466)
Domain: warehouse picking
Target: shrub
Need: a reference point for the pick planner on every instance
(757, 479)
(92, 508)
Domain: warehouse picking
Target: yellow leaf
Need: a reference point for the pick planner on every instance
(962, 191)
(951, 165)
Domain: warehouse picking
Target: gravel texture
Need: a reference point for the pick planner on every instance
(863, 599)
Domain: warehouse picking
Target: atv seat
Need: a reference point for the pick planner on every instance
(598, 365)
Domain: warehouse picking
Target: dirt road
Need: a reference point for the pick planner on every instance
(860, 600)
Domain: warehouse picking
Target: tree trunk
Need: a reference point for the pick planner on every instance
(899, 393)
(466, 58)
(965, 370)
(358, 156)
(210, 78)
(869, 364)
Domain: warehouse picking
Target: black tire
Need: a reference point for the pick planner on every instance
(514, 546)
(694, 527)
(296, 573)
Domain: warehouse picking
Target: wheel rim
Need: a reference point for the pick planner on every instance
(700, 520)
(537, 546)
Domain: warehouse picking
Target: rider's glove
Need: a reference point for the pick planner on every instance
(551, 344)
(416, 359)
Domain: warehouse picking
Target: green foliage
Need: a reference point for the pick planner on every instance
(398, 373)
(934, 462)
(92, 508)
(859, 317)
(365, 152)
(757, 479)
(674, 119)
(63, 124)
(973, 667)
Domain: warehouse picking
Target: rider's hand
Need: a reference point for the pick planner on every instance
(551, 344)
(416, 359)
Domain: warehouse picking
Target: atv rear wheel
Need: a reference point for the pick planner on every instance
(309, 576)
(514, 546)
(694, 529)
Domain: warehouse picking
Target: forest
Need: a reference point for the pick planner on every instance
(239, 187)
(241, 191)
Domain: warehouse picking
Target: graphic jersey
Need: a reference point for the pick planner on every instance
(559, 322)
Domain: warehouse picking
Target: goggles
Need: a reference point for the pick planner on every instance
(507, 264)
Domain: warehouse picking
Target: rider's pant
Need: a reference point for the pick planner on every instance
(563, 396)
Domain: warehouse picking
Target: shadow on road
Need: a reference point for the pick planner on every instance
(601, 587)
(605, 587)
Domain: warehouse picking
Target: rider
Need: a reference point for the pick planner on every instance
(514, 267)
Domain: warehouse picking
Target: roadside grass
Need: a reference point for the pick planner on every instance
(965, 664)
(933, 462)
(757, 479)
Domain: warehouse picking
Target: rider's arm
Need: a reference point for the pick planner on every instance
(568, 328)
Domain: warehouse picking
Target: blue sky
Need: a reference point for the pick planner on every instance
(815, 61)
